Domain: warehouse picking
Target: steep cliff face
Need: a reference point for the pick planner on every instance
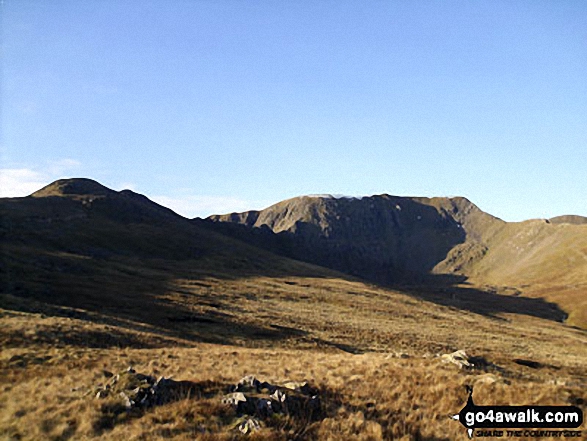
(383, 238)
(396, 239)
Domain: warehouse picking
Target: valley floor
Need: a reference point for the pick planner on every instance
(50, 367)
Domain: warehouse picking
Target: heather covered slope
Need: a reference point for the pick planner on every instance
(46, 383)
(393, 239)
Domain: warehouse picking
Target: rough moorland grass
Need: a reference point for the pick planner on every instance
(366, 396)
(347, 339)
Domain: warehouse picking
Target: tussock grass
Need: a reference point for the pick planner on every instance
(368, 396)
(346, 338)
(89, 284)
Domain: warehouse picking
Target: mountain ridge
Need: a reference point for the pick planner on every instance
(432, 242)
(93, 281)
(416, 233)
(394, 239)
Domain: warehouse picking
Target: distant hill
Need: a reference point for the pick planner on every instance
(79, 244)
(76, 243)
(569, 219)
(391, 239)
(383, 238)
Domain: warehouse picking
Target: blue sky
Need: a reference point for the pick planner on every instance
(218, 106)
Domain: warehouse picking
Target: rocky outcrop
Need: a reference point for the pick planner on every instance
(136, 390)
(257, 403)
(382, 238)
(254, 404)
(469, 362)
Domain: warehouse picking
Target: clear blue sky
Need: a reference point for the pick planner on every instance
(214, 106)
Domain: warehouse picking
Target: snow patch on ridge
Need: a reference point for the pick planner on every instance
(335, 196)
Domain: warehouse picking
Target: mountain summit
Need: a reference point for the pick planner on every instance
(74, 186)
(384, 238)
(391, 239)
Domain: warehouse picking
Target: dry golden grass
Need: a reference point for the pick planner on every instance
(344, 337)
(367, 396)
(542, 260)
(92, 283)
(450, 237)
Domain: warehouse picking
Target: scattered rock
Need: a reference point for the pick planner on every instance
(460, 358)
(278, 396)
(128, 403)
(255, 403)
(247, 383)
(234, 398)
(261, 400)
(298, 386)
(138, 390)
(249, 425)
(398, 355)
(465, 361)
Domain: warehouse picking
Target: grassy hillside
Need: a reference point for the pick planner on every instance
(393, 240)
(46, 385)
(95, 280)
(569, 219)
(79, 244)
(541, 259)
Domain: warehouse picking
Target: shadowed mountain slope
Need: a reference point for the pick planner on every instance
(382, 238)
(93, 280)
(390, 239)
(78, 244)
(123, 258)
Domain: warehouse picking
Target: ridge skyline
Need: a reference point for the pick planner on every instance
(309, 195)
(383, 239)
